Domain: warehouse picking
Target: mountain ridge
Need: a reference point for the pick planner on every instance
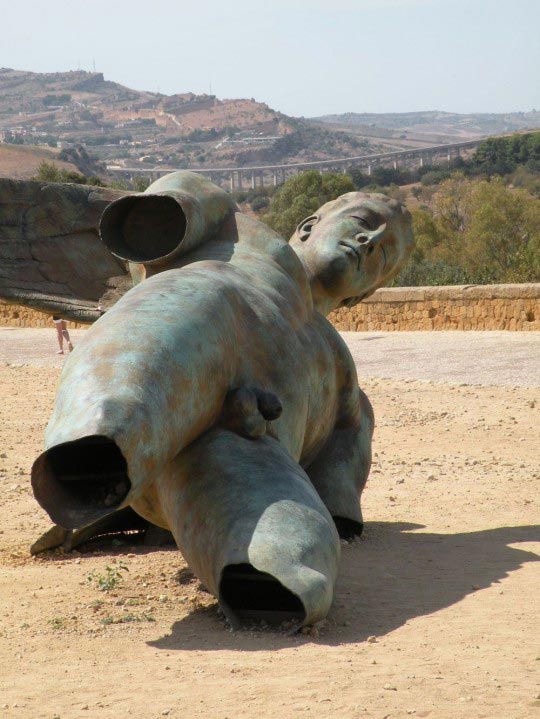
(119, 126)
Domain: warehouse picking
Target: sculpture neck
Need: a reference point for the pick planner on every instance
(323, 302)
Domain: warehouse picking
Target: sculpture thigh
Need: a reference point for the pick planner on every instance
(340, 470)
(242, 510)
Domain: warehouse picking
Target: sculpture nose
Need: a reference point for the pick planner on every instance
(369, 240)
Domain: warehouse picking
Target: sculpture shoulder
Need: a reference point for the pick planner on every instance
(345, 366)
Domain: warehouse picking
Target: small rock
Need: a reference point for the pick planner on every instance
(390, 687)
(371, 640)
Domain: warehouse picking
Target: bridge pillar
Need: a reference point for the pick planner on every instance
(369, 169)
(231, 182)
(395, 164)
(274, 178)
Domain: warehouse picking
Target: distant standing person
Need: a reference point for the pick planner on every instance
(62, 334)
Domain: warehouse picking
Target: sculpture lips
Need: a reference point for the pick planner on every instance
(357, 251)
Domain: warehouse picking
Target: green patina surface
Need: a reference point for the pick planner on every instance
(216, 400)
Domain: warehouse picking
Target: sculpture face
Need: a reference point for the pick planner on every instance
(352, 246)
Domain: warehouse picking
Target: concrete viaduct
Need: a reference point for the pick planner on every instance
(241, 178)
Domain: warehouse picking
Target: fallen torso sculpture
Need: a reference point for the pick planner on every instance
(216, 400)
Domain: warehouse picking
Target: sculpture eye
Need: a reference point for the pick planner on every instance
(364, 222)
(304, 228)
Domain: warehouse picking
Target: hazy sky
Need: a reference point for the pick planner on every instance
(303, 57)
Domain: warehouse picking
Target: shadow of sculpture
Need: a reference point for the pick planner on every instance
(387, 578)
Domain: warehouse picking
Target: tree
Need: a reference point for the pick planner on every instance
(49, 172)
(140, 183)
(301, 195)
(477, 231)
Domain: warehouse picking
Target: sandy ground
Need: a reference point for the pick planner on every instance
(436, 610)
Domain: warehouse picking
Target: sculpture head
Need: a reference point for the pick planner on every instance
(352, 246)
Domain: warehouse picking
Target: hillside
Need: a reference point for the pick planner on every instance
(431, 126)
(21, 162)
(120, 126)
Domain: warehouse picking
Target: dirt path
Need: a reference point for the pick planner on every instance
(436, 608)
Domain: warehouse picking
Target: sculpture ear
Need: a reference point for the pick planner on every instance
(304, 228)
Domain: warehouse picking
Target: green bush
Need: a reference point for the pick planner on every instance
(475, 232)
(259, 203)
(49, 172)
(301, 195)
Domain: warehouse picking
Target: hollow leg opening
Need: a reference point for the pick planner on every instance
(252, 595)
(348, 528)
(79, 482)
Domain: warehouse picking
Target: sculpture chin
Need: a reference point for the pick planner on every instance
(352, 301)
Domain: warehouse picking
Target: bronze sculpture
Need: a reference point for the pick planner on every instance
(216, 400)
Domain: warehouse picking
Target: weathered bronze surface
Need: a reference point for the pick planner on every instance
(51, 258)
(216, 400)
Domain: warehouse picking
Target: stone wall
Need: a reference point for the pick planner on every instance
(18, 316)
(468, 307)
(476, 307)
